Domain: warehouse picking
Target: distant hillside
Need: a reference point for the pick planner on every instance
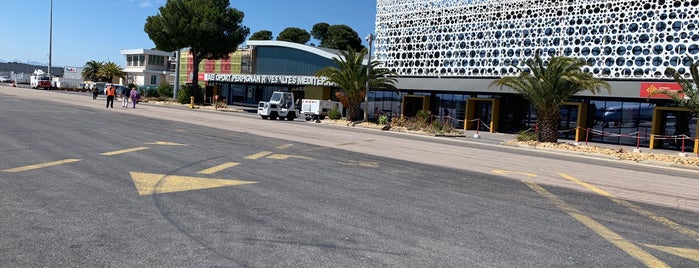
(18, 67)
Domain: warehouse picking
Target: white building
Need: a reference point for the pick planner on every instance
(148, 67)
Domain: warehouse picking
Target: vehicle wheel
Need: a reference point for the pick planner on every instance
(290, 117)
(322, 117)
(264, 117)
(273, 116)
(308, 118)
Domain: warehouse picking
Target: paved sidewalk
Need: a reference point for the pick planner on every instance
(500, 138)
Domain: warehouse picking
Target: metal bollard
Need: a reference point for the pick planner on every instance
(191, 102)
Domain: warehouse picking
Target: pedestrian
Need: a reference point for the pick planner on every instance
(135, 96)
(95, 91)
(111, 92)
(125, 93)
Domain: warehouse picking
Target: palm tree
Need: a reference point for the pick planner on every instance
(350, 76)
(688, 97)
(111, 70)
(91, 70)
(548, 85)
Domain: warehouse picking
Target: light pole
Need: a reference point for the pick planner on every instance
(50, 36)
(370, 39)
(177, 74)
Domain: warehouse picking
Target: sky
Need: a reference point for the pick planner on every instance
(85, 30)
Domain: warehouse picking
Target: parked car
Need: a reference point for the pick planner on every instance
(5, 79)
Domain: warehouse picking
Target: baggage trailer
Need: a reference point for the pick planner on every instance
(318, 109)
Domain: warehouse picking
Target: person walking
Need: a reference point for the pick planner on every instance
(135, 96)
(111, 92)
(95, 90)
(125, 93)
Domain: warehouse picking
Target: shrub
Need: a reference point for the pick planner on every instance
(184, 94)
(150, 93)
(525, 135)
(221, 104)
(383, 119)
(437, 126)
(335, 114)
(399, 122)
(165, 89)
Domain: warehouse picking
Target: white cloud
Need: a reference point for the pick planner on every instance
(145, 4)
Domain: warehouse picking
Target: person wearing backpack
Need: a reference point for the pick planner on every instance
(111, 92)
(135, 96)
(95, 91)
(125, 92)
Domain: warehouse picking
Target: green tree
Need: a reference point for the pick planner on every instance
(262, 35)
(350, 76)
(688, 97)
(548, 85)
(294, 34)
(110, 70)
(320, 32)
(91, 71)
(210, 28)
(340, 37)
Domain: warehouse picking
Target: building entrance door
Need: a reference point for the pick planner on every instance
(482, 113)
(674, 129)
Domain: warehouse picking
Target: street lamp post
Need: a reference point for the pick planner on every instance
(50, 37)
(370, 39)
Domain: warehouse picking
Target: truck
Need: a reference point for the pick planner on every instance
(40, 80)
(280, 105)
(318, 109)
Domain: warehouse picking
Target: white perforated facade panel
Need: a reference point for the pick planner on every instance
(620, 39)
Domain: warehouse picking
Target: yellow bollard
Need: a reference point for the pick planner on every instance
(577, 135)
(191, 102)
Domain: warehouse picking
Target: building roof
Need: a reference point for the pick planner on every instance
(320, 51)
(145, 51)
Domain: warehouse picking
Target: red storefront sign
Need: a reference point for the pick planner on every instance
(647, 89)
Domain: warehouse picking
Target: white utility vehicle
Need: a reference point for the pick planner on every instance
(318, 109)
(40, 80)
(280, 105)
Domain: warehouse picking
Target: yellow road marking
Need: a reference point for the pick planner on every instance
(149, 183)
(285, 156)
(125, 151)
(688, 253)
(505, 172)
(360, 163)
(42, 165)
(628, 247)
(499, 171)
(285, 146)
(166, 143)
(665, 221)
(218, 168)
(258, 155)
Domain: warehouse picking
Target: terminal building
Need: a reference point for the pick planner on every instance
(447, 53)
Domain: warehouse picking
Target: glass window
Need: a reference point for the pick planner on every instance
(153, 79)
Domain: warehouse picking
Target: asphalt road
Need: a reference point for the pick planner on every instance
(85, 186)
